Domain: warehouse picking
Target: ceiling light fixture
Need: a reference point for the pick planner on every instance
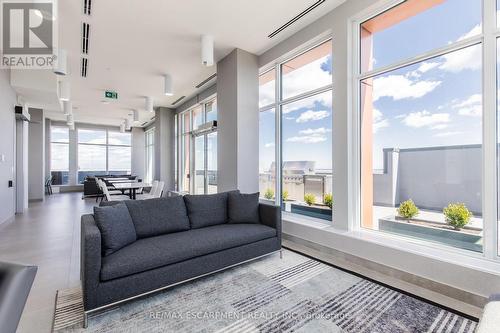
(64, 91)
(61, 64)
(128, 124)
(122, 128)
(207, 50)
(168, 87)
(67, 108)
(149, 104)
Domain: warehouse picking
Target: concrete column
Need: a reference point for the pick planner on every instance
(238, 122)
(165, 147)
(73, 157)
(36, 153)
(21, 166)
(47, 146)
(138, 152)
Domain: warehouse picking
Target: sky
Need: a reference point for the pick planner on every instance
(433, 103)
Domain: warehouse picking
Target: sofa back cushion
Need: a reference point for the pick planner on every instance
(206, 210)
(243, 208)
(160, 216)
(116, 227)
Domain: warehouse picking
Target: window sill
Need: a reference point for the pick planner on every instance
(463, 258)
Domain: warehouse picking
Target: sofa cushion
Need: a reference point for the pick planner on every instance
(243, 208)
(154, 217)
(116, 227)
(206, 210)
(151, 253)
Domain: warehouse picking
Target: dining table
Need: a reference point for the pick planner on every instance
(131, 186)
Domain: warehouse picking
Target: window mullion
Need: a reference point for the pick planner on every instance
(489, 163)
(277, 138)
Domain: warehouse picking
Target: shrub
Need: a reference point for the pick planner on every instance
(269, 194)
(457, 215)
(328, 200)
(310, 199)
(407, 209)
(285, 195)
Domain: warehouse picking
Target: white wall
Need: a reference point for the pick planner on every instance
(7, 144)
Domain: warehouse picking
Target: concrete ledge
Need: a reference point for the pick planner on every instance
(442, 294)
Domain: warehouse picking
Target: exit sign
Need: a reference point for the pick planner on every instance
(111, 94)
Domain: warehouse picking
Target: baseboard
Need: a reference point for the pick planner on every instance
(439, 293)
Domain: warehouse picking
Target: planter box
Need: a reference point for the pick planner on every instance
(312, 211)
(450, 237)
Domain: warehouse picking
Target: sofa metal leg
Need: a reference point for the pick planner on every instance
(85, 320)
(281, 254)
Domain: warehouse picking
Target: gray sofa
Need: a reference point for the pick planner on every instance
(15, 285)
(172, 240)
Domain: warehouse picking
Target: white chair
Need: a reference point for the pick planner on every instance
(149, 195)
(159, 190)
(105, 190)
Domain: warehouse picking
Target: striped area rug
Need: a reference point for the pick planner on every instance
(293, 294)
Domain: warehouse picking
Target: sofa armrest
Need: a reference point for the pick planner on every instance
(490, 319)
(90, 251)
(270, 215)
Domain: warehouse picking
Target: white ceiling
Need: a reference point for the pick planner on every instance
(133, 43)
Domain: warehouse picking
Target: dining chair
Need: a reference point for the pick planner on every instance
(116, 197)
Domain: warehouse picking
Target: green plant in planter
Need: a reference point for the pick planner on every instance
(285, 195)
(457, 215)
(310, 199)
(328, 200)
(269, 194)
(407, 209)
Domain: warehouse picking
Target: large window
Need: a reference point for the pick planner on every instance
(421, 122)
(59, 155)
(103, 152)
(150, 155)
(197, 149)
(302, 108)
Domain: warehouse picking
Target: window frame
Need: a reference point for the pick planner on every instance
(487, 39)
(279, 103)
(180, 151)
(106, 145)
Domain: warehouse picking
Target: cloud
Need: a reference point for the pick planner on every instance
(400, 87)
(269, 145)
(446, 134)
(315, 131)
(299, 80)
(427, 119)
(307, 139)
(472, 106)
(266, 93)
(379, 121)
(468, 58)
(323, 100)
(311, 115)
(427, 66)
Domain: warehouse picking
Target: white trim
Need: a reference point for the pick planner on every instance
(489, 165)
